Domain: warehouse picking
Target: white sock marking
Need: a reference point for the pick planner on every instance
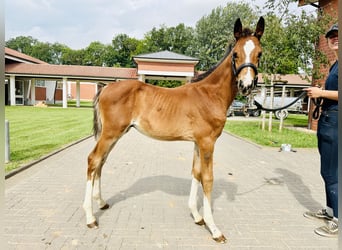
(88, 204)
(208, 218)
(193, 200)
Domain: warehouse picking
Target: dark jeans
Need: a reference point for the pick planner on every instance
(327, 133)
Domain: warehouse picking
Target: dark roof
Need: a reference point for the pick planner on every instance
(166, 55)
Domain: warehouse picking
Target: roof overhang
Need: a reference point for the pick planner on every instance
(166, 73)
(59, 77)
(141, 59)
(48, 71)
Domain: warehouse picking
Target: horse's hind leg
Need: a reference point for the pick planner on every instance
(97, 192)
(96, 160)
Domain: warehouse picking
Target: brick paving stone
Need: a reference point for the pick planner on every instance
(259, 197)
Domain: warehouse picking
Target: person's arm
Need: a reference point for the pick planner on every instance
(315, 92)
(330, 94)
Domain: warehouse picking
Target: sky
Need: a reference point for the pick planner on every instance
(77, 23)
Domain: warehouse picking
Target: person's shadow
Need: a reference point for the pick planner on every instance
(299, 190)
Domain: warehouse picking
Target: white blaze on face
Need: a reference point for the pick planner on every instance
(248, 48)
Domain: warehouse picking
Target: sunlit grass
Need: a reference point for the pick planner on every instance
(36, 131)
(252, 130)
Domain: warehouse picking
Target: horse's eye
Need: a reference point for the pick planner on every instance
(260, 54)
(235, 55)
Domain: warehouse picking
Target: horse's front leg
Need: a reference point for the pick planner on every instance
(206, 155)
(196, 166)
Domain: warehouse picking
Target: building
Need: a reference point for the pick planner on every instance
(29, 80)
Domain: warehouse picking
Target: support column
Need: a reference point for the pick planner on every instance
(142, 78)
(33, 91)
(65, 92)
(12, 90)
(78, 93)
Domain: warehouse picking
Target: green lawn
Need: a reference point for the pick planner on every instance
(36, 131)
(72, 104)
(251, 130)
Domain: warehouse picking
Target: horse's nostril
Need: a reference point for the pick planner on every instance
(240, 84)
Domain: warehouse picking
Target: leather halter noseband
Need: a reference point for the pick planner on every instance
(237, 71)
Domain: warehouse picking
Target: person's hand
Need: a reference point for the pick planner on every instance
(314, 92)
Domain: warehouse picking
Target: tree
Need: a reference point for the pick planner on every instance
(94, 54)
(47, 52)
(43, 51)
(23, 44)
(215, 32)
(56, 53)
(72, 57)
(177, 39)
(124, 48)
(303, 31)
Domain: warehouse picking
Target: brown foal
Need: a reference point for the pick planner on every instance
(193, 112)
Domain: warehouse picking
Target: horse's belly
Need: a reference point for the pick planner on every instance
(164, 130)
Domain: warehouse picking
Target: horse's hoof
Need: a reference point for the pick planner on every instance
(200, 223)
(93, 225)
(221, 239)
(105, 207)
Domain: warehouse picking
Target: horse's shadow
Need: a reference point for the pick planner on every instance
(170, 185)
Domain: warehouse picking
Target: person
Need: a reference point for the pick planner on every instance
(327, 132)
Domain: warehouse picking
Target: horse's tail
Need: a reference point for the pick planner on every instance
(97, 124)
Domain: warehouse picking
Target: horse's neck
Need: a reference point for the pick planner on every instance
(222, 81)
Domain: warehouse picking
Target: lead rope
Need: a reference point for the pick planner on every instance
(318, 103)
(259, 106)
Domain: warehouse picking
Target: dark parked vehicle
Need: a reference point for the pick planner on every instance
(240, 108)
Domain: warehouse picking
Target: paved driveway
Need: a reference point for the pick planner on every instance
(259, 197)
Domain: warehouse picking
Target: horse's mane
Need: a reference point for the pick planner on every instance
(245, 33)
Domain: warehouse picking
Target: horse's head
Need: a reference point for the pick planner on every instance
(246, 54)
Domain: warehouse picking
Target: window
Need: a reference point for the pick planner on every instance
(59, 85)
(40, 83)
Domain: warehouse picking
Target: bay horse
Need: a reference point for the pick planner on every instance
(193, 112)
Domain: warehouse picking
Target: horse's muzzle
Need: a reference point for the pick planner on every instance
(246, 89)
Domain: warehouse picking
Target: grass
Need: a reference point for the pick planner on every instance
(36, 131)
(72, 104)
(251, 130)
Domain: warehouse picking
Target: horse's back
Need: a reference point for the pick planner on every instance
(164, 113)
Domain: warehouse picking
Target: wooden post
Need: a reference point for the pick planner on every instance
(282, 104)
(271, 106)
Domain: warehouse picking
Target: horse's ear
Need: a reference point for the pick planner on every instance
(260, 28)
(237, 29)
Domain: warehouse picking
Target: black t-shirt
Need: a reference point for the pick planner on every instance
(331, 84)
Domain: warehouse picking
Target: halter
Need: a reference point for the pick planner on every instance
(237, 71)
